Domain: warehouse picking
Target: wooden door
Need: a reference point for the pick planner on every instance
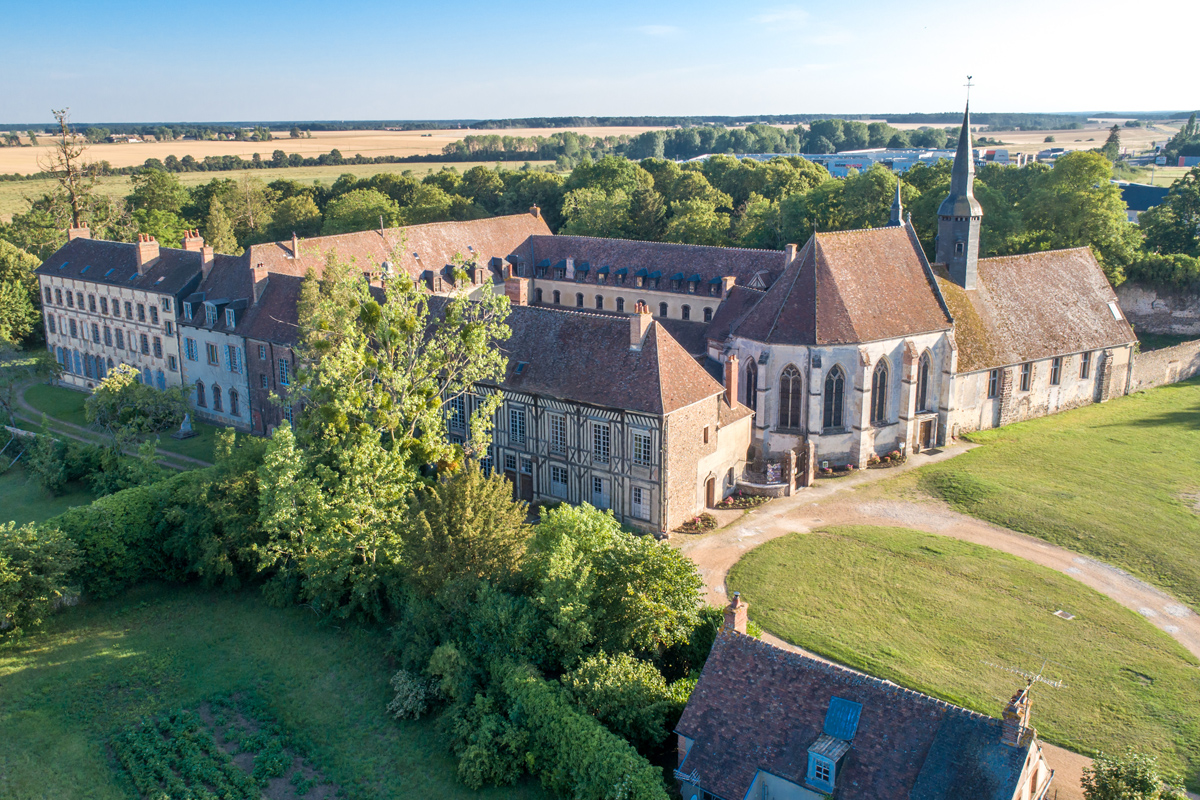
(710, 492)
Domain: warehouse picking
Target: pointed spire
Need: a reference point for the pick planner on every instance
(961, 201)
(897, 217)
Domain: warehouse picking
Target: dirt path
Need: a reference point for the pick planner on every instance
(833, 502)
(31, 417)
(812, 509)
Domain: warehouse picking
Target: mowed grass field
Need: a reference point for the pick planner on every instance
(1118, 481)
(932, 614)
(25, 160)
(96, 669)
(22, 500)
(15, 195)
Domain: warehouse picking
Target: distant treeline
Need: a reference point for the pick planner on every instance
(207, 130)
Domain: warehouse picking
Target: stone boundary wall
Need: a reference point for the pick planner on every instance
(1169, 365)
(1157, 309)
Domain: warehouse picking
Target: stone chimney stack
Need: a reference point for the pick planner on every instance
(1014, 729)
(789, 253)
(639, 325)
(516, 289)
(193, 241)
(569, 273)
(736, 614)
(536, 212)
(727, 284)
(206, 261)
(147, 251)
(82, 232)
(260, 277)
(295, 245)
(731, 380)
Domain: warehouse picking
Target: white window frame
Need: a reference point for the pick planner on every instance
(642, 450)
(558, 433)
(639, 502)
(601, 441)
(558, 481)
(516, 425)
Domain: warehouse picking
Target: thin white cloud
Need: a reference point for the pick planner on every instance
(788, 18)
(657, 30)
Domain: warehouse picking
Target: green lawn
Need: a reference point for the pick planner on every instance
(1118, 481)
(927, 612)
(64, 404)
(95, 669)
(22, 500)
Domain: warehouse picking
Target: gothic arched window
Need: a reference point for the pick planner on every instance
(216, 393)
(879, 393)
(752, 385)
(835, 395)
(791, 394)
(201, 398)
(923, 382)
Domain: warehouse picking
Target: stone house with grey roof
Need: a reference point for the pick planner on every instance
(769, 724)
(111, 303)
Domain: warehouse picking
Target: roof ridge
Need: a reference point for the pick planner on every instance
(402, 228)
(856, 230)
(662, 244)
(1039, 253)
(799, 262)
(828, 667)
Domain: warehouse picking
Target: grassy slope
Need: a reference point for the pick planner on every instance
(67, 405)
(926, 612)
(1112, 481)
(96, 669)
(22, 500)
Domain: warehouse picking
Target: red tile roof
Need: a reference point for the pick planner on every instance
(1034, 306)
(847, 287)
(586, 358)
(759, 707)
(425, 247)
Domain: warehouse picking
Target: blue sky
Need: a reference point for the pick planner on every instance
(124, 60)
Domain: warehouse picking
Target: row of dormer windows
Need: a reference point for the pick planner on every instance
(685, 311)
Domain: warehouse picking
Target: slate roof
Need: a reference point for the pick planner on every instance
(669, 259)
(229, 281)
(848, 287)
(759, 707)
(428, 247)
(115, 264)
(1034, 306)
(1141, 196)
(586, 358)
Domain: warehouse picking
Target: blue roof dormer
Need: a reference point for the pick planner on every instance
(841, 720)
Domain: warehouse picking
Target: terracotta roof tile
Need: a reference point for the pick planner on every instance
(1034, 306)
(759, 707)
(847, 287)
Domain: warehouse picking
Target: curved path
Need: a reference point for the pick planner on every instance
(829, 503)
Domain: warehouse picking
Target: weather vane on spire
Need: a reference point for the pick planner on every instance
(969, 85)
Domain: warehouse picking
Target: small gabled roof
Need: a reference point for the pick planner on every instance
(1034, 306)
(847, 287)
(115, 264)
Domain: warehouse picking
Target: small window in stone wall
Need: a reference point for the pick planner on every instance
(620, 304)
(1026, 376)
(1055, 371)
(1085, 366)
(993, 384)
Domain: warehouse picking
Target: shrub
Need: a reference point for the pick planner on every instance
(124, 406)
(628, 695)
(1132, 776)
(412, 695)
(34, 567)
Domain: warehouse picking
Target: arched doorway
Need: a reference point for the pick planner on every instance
(710, 492)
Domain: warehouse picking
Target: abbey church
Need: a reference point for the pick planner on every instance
(643, 377)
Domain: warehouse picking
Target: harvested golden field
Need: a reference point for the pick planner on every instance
(368, 143)
(1086, 138)
(15, 195)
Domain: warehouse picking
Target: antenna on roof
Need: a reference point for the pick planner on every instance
(1030, 676)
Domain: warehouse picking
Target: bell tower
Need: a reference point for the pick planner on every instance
(960, 214)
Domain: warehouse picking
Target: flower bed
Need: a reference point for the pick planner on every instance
(836, 471)
(892, 459)
(740, 500)
(701, 524)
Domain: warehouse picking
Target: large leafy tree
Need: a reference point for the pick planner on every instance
(1172, 226)
(378, 371)
(19, 302)
(360, 210)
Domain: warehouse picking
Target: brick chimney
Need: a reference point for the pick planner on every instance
(639, 325)
(517, 290)
(206, 261)
(147, 251)
(82, 232)
(789, 253)
(193, 241)
(295, 245)
(536, 212)
(260, 277)
(731, 380)
(736, 614)
(1014, 728)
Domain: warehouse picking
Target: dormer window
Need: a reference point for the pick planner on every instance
(230, 318)
(187, 311)
(827, 752)
(210, 314)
